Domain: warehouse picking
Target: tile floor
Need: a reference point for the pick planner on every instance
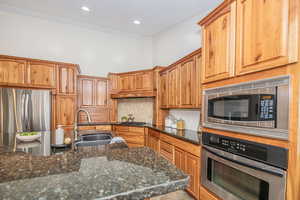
(178, 195)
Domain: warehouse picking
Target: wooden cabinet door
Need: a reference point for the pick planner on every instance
(12, 72)
(173, 89)
(42, 74)
(187, 84)
(113, 83)
(266, 34)
(164, 90)
(153, 140)
(180, 158)
(198, 94)
(65, 110)
(144, 81)
(100, 92)
(193, 170)
(86, 92)
(127, 82)
(67, 80)
(219, 45)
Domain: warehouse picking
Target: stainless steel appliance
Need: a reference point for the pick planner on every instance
(258, 108)
(235, 169)
(23, 110)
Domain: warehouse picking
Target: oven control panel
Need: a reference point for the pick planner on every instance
(256, 151)
(267, 107)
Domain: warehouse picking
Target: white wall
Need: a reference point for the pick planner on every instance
(97, 52)
(173, 44)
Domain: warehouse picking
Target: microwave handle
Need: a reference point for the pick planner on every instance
(245, 162)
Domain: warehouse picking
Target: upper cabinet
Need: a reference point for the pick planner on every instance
(180, 84)
(41, 74)
(218, 39)
(132, 84)
(266, 34)
(93, 97)
(12, 71)
(67, 79)
(246, 36)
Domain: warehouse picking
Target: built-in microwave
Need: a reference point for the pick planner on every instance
(259, 107)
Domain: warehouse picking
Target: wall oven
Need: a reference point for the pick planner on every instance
(259, 108)
(235, 169)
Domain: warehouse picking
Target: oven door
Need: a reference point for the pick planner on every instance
(233, 177)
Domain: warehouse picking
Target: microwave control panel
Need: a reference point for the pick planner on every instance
(267, 107)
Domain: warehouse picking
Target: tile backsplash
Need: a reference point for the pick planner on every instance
(190, 117)
(141, 108)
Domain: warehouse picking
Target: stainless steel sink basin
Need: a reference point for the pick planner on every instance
(93, 140)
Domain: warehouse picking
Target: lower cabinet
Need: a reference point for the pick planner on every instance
(205, 195)
(184, 155)
(153, 140)
(134, 136)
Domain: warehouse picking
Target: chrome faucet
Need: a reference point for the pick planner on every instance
(76, 121)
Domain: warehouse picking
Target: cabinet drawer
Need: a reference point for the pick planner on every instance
(167, 150)
(82, 128)
(122, 128)
(104, 128)
(133, 139)
(153, 133)
(136, 129)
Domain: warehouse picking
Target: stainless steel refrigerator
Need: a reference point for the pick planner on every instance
(23, 110)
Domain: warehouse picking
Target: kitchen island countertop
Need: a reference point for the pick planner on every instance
(104, 172)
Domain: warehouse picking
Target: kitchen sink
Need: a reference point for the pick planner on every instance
(96, 139)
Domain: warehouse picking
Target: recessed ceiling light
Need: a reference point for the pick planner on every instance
(137, 22)
(84, 8)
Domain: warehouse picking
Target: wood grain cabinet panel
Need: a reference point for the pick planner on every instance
(266, 34)
(173, 89)
(134, 136)
(164, 89)
(42, 74)
(67, 79)
(205, 195)
(193, 170)
(180, 158)
(219, 43)
(93, 96)
(65, 110)
(144, 80)
(127, 82)
(12, 72)
(187, 84)
(101, 94)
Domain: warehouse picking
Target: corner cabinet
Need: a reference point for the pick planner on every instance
(218, 38)
(266, 34)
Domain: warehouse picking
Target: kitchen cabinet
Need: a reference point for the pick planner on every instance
(164, 89)
(41, 74)
(205, 195)
(193, 170)
(12, 71)
(132, 84)
(98, 128)
(134, 136)
(266, 34)
(93, 97)
(218, 39)
(187, 89)
(153, 140)
(65, 110)
(180, 83)
(180, 158)
(144, 80)
(166, 150)
(67, 79)
(173, 87)
(127, 82)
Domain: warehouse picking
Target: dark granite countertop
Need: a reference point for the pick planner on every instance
(186, 135)
(104, 172)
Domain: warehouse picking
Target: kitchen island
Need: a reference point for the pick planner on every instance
(104, 172)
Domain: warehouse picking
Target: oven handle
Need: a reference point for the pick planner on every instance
(257, 166)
